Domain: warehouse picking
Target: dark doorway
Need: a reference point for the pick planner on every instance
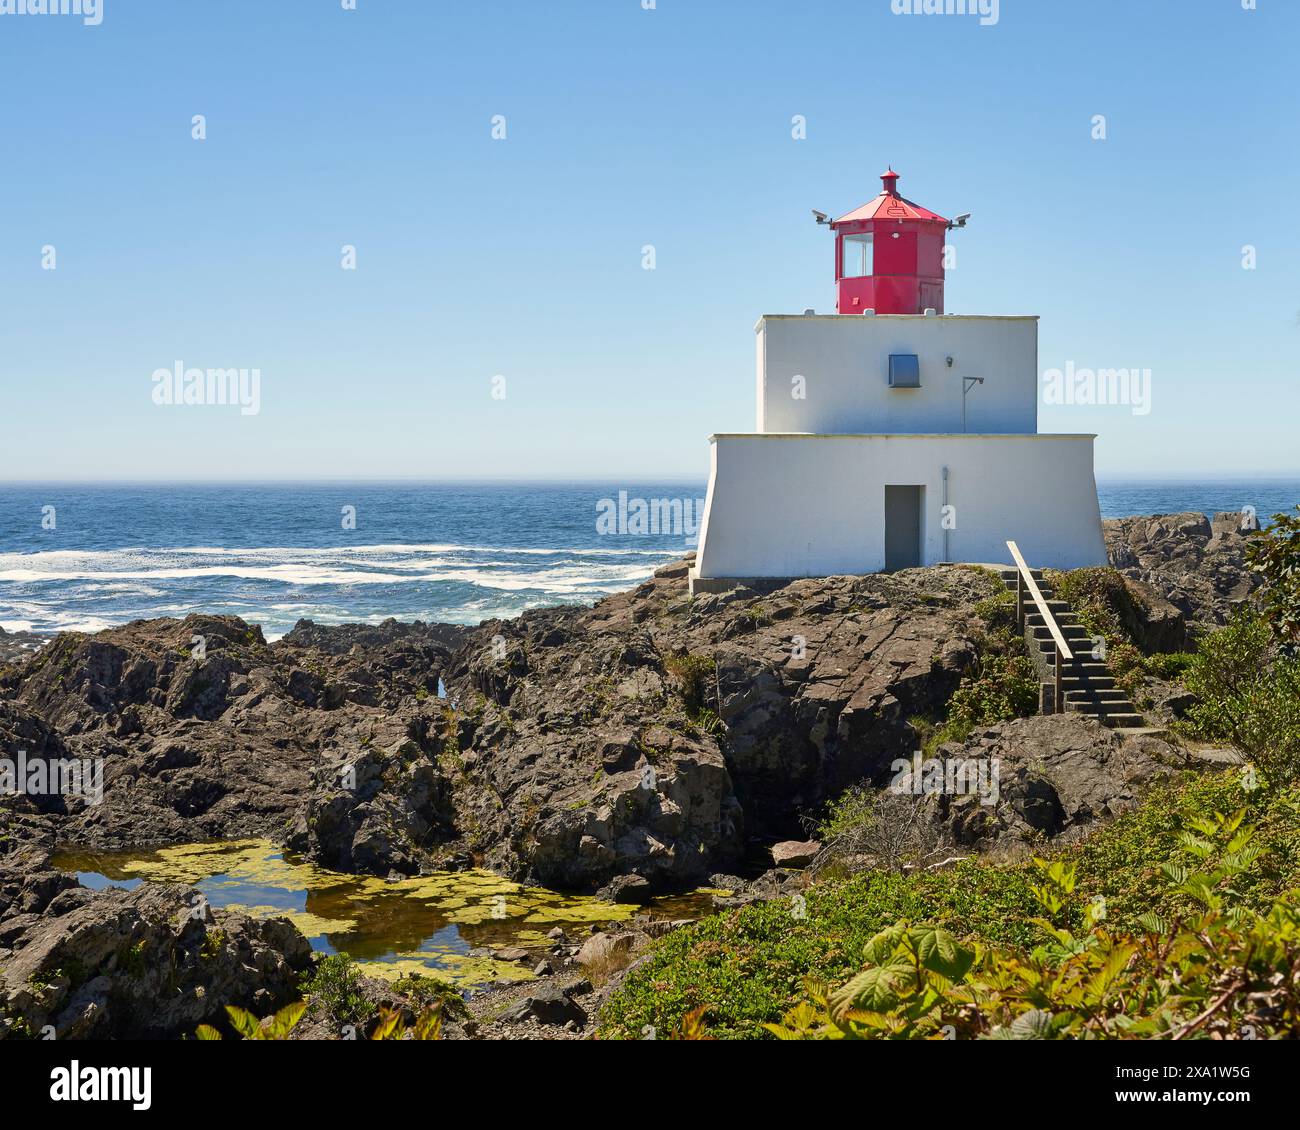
(903, 509)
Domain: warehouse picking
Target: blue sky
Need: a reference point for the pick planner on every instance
(625, 127)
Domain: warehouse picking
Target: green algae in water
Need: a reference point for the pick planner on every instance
(426, 925)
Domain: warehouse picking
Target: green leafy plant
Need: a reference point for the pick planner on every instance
(695, 676)
(1274, 554)
(249, 1027)
(432, 992)
(1248, 693)
(747, 967)
(337, 985)
(389, 1026)
(1225, 970)
(910, 969)
(427, 1026)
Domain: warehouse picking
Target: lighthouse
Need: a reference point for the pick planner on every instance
(889, 255)
(892, 434)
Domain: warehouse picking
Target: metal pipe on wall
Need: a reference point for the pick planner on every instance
(943, 515)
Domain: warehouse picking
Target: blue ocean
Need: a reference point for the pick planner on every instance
(88, 557)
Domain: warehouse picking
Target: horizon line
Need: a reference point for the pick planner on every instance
(1167, 477)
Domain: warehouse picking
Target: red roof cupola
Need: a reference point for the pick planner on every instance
(889, 255)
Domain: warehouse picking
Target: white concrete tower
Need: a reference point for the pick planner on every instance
(889, 440)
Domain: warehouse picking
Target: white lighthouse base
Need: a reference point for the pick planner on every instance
(783, 505)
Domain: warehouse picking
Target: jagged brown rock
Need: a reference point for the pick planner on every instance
(154, 962)
(645, 740)
(1058, 777)
(1196, 563)
(206, 732)
(651, 734)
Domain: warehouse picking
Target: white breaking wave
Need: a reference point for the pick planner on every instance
(552, 581)
(280, 552)
(126, 570)
(89, 590)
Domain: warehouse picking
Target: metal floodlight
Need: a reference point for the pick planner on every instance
(967, 383)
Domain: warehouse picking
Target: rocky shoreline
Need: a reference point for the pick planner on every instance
(653, 743)
(16, 646)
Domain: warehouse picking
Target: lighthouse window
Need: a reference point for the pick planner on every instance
(857, 256)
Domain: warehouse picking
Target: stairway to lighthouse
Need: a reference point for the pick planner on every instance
(1087, 684)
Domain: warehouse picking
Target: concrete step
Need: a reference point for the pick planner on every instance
(1092, 705)
(1123, 721)
(1095, 682)
(1069, 631)
(1101, 710)
(1080, 649)
(1043, 587)
(1059, 608)
(1035, 623)
(1098, 694)
(1081, 645)
(1118, 719)
(1042, 632)
(1084, 664)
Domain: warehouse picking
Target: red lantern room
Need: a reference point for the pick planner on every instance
(889, 255)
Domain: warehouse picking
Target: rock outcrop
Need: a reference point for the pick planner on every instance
(154, 962)
(1057, 777)
(1196, 563)
(643, 739)
(652, 734)
(375, 811)
(634, 747)
(206, 732)
(17, 646)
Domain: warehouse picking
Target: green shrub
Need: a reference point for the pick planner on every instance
(1248, 693)
(999, 610)
(432, 992)
(1223, 971)
(1274, 554)
(1105, 605)
(1128, 668)
(696, 675)
(1121, 863)
(336, 983)
(999, 685)
(747, 967)
(1170, 666)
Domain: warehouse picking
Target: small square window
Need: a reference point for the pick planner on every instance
(856, 252)
(904, 370)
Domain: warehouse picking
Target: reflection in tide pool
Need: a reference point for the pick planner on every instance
(422, 925)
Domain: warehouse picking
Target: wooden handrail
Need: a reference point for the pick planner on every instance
(1025, 580)
(1043, 610)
